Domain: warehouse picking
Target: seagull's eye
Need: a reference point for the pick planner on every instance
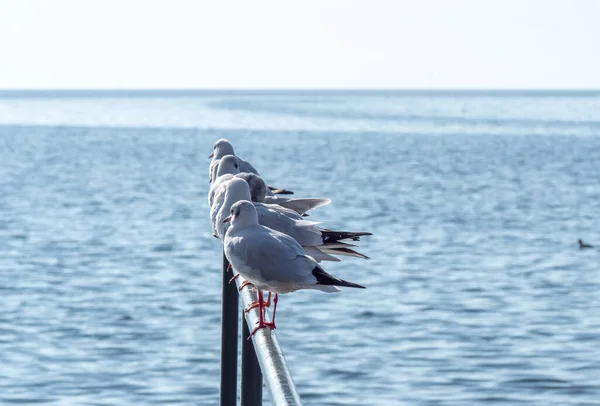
(235, 165)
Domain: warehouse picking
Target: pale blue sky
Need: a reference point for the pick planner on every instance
(305, 44)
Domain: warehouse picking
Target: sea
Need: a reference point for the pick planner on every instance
(476, 289)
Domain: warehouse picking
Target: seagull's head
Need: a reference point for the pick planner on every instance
(258, 187)
(236, 189)
(229, 164)
(242, 213)
(221, 148)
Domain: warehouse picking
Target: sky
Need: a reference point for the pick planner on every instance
(308, 44)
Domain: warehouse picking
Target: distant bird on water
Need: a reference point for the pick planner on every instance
(582, 245)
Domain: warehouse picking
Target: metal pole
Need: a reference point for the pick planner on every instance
(229, 339)
(251, 374)
(275, 372)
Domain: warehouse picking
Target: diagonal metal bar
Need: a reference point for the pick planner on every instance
(275, 372)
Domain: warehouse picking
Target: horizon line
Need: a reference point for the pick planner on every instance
(8, 94)
(276, 90)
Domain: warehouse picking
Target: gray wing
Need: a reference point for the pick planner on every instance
(249, 167)
(302, 231)
(302, 205)
(277, 256)
(275, 199)
(282, 210)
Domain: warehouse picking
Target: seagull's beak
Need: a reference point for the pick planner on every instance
(227, 219)
(211, 155)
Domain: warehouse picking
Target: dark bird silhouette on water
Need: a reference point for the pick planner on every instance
(582, 245)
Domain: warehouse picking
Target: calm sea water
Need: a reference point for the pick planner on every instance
(477, 291)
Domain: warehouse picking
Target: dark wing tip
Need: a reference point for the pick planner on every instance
(351, 252)
(332, 235)
(282, 192)
(323, 278)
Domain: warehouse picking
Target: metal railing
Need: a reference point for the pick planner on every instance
(261, 356)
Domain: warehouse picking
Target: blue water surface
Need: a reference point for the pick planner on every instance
(476, 289)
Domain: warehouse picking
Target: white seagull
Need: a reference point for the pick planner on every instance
(319, 243)
(258, 190)
(222, 148)
(271, 260)
(228, 166)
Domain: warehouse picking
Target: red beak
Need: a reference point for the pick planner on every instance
(227, 219)
(211, 155)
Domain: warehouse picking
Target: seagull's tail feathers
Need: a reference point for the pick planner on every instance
(330, 235)
(336, 244)
(325, 279)
(345, 252)
(302, 205)
(275, 199)
(319, 255)
(279, 191)
(326, 288)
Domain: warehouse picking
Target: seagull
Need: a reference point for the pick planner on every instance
(319, 243)
(228, 166)
(271, 260)
(582, 245)
(222, 148)
(258, 190)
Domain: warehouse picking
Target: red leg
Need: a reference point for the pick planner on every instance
(229, 268)
(243, 285)
(255, 304)
(261, 321)
(271, 324)
(251, 306)
(234, 278)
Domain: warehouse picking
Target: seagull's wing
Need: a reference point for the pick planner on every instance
(302, 205)
(276, 208)
(247, 167)
(303, 231)
(277, 256)
(275, 200)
